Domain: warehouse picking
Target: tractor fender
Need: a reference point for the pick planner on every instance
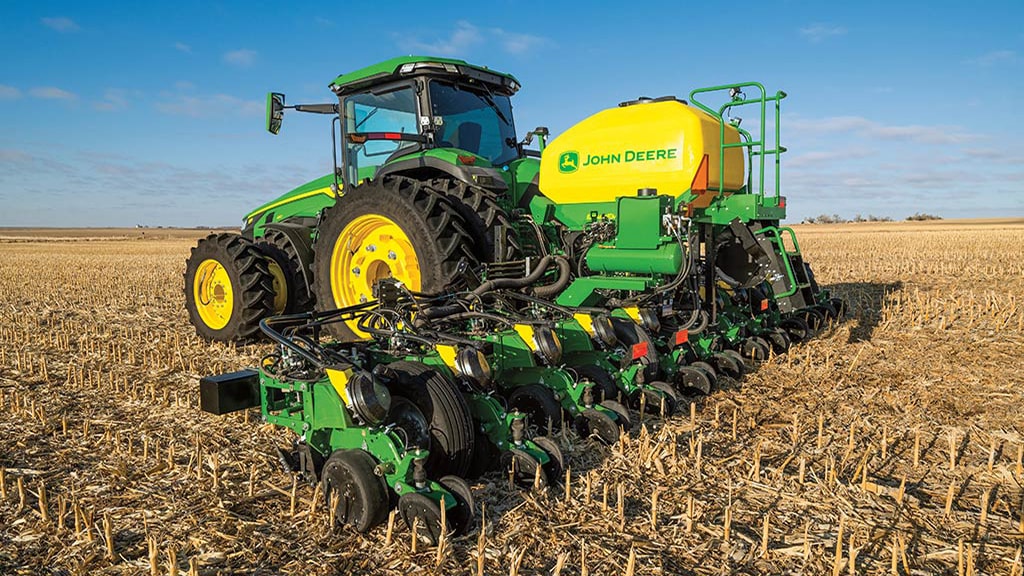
(424, 167)
(300, 238)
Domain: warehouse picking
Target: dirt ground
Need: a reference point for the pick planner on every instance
(890, 444)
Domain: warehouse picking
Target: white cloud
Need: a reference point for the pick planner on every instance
(462, 38)
(114, 99)
(182, 47)
(467, 35)
(202, 106)
(323, 22)
(876, 130)
(60, 23)
(242, 57)
(9, 92)
(516, 43)
(52, 93)
(995, 58)
(818, 31)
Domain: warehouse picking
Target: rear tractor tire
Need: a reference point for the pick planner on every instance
(291, 295)
(392, 227)
(228, 288)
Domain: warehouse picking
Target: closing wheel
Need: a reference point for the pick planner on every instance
(599, 424)
(433, 414)
(417, 508)
(228, 288)
(669, 396)
(692, 381)
(738, 358)
(840, 306)
(729, 366)
(391, 227)
(778, 339)
(796, 328)
(604, 385)
(828, 311)
(708, 370)
(460, 516)
(649, 397)
(556, 459)
(753, 350)
(629, 333)
(524, 468)
(814, 319)
(621, 414)
(359, 496)
(542, 411)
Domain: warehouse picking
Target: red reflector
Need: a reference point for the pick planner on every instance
(782, 201)
(764, 305)
(392, 136)
(467, 160)
(682, 336)
(639, 350)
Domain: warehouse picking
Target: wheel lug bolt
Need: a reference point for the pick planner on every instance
(362, 298)
(392, 255)
(371, 248)
(356, 270)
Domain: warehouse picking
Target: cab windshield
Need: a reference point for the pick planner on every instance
(473, 120)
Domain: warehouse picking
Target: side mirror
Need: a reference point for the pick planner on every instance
(275, 111)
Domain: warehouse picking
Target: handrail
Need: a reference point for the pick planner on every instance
(754, 147)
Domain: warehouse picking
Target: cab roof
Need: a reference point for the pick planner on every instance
(419, 65)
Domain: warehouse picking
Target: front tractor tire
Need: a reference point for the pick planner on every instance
(228, 288)
(389, 227)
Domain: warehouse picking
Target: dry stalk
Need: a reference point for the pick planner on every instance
(172, 561)
(414, 533)
(952, 450)
(837, 562)
(917, 447)
(764, 535)
(654, 508)
(44, 508)
(631, 562)
(108, 536)
(391, 528)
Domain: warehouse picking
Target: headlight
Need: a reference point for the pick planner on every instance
(649, 320)
(549, 347)
(472, 364)
(368, 398)
(604, 330)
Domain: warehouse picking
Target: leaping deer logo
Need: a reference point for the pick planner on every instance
(568, 162)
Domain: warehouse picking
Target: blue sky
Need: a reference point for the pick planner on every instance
(116, 114)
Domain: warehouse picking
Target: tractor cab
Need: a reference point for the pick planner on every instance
(411, 106)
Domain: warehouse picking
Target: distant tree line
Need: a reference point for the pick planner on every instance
(837, 219)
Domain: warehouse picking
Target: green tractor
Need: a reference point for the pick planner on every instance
(645, 209)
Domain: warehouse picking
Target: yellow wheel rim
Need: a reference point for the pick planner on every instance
(213, 296)
(280, 286)
(371, 247)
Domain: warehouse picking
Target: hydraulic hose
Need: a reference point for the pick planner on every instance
(538, 271)
(559, 284)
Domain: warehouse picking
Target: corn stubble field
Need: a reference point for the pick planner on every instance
(890, 444)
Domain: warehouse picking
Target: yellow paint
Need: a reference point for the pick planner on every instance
(633, 313)
(586, 322)
(639, 128)
(214, 298)
(309, 194)
(525, 332)
(339, 380)
(447, 354)
(369, 248)
(280, 285)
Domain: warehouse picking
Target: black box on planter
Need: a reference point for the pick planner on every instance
(225, 393)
